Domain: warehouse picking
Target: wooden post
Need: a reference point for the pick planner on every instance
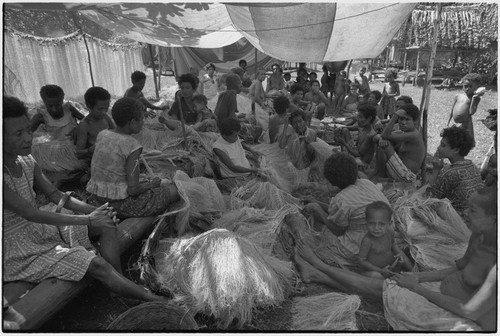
(348, 68)
(255, 67)
(404, 62)
(154, 70)
(387, 57)
(159, 67)
(424, 105)
(417, 68)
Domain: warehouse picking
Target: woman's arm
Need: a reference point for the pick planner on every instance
(132, 170)
(224, 158)
(82, 151)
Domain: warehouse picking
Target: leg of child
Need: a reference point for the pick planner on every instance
(108, 246)
(101, 270)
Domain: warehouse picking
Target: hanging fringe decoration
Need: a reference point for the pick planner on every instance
(332, 311)
(225, 276)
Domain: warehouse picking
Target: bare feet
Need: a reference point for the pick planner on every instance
(305, 269)
(307, 253)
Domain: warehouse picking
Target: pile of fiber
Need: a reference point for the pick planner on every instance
(434, 231)
(261, 195)
(258, 226)
(56, 155)
(332, 311)
(223, 275)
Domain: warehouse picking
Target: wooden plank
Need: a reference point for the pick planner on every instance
(51, 295)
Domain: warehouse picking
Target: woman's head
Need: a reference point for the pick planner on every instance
(128, 112)
(280, 105)
(17, 135)
(455, 140)
(374, 97)
(341, 170)
(188, 83)
(97, 101)
(233, 82)
(229, 129)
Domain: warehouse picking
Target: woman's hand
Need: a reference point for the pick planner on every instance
(407, 280)
(155, 182)
(437, 161)
(386, 272)
(103, 217)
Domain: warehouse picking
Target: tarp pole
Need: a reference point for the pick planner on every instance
(159, 67)
(255, 76)
(154, 70)
(426, 93)
(77, 24)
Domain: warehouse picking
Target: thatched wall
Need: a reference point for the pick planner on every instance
(463, 26)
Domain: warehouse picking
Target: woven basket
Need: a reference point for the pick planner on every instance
(156, 316)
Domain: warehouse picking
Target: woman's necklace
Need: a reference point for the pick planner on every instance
(14, 182)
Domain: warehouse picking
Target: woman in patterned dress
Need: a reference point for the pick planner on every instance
(38, 244)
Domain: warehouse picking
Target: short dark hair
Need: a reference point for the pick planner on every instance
(368, 111)
(210, 65)
(458, 138)
(232, 81)
(229, 125)
(406, 99)
(137, 76)
(473, 77)
(341, 170)
(189, 78)
(200, 99)
(313, 73)
(411, 110)
(314, 81)
(281, 104)
(377, 94)
(378, 205)
(125, 109)
(297, 113)
(13, 108)
(297, 87)
(287, 74)
(95, 93)
(242, 61)
(51, 91)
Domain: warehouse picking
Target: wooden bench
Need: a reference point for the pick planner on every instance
(44, 300)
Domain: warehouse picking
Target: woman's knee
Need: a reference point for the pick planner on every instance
(99, 267)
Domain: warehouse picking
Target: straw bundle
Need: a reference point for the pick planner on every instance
(332, 311)
(258, 226)
(261, 195)
(55, 155)
(224, 275)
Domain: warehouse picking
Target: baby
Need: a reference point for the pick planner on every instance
(207, 121)
(379, 256)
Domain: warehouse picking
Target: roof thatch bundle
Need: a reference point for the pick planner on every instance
(463, 26)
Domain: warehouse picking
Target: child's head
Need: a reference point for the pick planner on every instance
(313, 76)
(354, 88)
(280, 105)
(483, 206)
(402, 100)
(138, 79)
(391, 74)
(315, 85)
(366, 114)
(324, 68)
(188, 83)
(378, 218)
(199, 102)
(97, 101)
(298, 121)
(275, 67)
(470, 83)
(17, 135)
(229, 129)
(455, 141)
(287, 76)
(374, 97)
(297, 91)
(53, 98)
(341, 170)
(233, 82)
(128, 112)
(301, 79)
(242, 63)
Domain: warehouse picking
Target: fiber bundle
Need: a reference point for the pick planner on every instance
(224, 275)
(261, 195)
(332, 311)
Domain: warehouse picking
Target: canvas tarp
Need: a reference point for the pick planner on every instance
(297, 32)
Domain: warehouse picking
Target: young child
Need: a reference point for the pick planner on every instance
(257, 93)
(97, 100)
(362, 81)
(288, 81)
(465, 104)
(138, 81)
(230, 151)
(115, 168)
(227, 105)
(207, 121)
(391, 90)
(379, 255)
(374, 99)
(276, 122)
(59, 119)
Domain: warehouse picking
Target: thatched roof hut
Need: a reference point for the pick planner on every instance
(464, 26)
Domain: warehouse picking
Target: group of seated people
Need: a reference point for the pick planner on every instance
(359, 215)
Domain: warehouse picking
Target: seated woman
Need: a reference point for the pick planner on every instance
(188, 83)
(458, 298)
(234, 166)
(39, 245)
(458, 181)
(114, 169)
(343, 220)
